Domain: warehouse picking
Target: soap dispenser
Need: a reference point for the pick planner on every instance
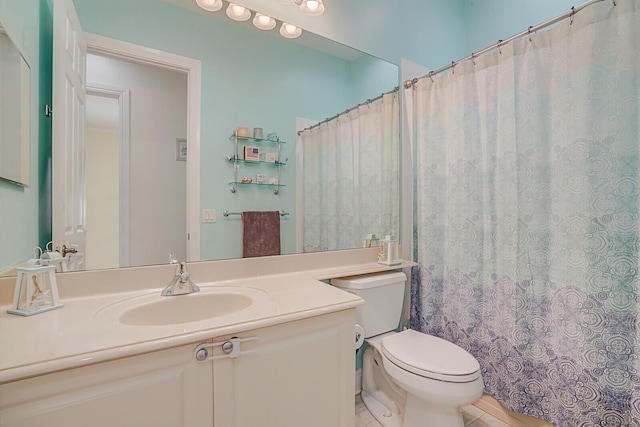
(389, 251)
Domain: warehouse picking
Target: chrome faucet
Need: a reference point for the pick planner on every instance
(181, 283)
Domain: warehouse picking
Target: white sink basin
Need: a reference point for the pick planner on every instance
(156, 310)
(186, 308)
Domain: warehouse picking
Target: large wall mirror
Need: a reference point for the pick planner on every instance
(15, 78)
(250, 78)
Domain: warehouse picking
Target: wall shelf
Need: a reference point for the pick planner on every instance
(238, 162)
(257, 162)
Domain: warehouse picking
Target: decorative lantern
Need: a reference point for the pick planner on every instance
(389, 251)
(36, 291)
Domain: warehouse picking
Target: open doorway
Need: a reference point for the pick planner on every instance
(106, 147)
(136, 197)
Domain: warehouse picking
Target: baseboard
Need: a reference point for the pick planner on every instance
(493, 407)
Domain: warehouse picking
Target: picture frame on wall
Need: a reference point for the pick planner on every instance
(181, 149)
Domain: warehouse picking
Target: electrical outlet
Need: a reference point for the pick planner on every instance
(208, 216)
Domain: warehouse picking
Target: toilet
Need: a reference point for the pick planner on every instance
(409, 379)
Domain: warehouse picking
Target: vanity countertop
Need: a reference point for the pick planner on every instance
(87, 329)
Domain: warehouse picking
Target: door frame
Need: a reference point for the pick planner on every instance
(193, 68)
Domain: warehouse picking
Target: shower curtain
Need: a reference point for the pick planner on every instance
(527, 222)
(350, 177)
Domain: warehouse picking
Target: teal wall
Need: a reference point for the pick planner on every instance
(21, 228)
(488, 21)
(426, 32)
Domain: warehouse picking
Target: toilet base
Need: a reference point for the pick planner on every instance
(380, 412)
(393, 406)
(418, 412)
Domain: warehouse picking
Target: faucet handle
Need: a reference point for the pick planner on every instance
(184, 275)
(173, 259)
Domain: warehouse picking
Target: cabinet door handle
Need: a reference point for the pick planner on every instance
(230, 347)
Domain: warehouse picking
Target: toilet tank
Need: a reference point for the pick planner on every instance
(383, 294)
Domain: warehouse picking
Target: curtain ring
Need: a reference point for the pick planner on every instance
(473, 58)
(529, 30)
(498, 45)
(614, 3)
(573, 13)
(453, 66)
(431, 76)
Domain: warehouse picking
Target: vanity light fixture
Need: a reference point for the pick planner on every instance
(238, 13)
(290, 31)
(312, 7)
(264, 22)
(210, 5)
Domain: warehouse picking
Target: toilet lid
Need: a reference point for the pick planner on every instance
(430, 357)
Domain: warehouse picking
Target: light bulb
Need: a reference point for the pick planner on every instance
(238, 13)
(210, 5)
(312, 7)
(264, 22)
(290, 31)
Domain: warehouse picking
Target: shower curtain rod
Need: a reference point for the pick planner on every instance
(367, 102)
(570, 14)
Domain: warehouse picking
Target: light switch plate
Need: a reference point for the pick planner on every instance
(208, 216)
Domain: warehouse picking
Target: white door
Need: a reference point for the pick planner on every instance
(68, 187)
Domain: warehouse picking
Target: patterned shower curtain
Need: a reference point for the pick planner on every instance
(527, 217)
(351, 177)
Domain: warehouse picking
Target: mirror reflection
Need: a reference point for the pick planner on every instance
(14, 113)
(250, 79)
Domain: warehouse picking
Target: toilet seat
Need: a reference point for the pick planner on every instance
(430, 357)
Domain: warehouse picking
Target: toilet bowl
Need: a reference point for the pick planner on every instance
(414, 387)
(409, 379)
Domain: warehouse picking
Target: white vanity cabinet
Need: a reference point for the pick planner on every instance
(163, 388)
(301, 373)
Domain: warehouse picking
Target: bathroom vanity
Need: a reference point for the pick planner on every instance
(115, 355)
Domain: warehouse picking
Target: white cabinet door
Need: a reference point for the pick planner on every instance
(164, 388)
(302, 373)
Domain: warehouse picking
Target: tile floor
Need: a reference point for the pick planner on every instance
(473, 417)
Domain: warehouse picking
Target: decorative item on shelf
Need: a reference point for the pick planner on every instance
(257, 133)
(242, 133)
(246, 180)
(389, 251)
(371, 241)
(268, 157)
(273, 181)
(36, 290)
(261, 179)
(272, 136)
(251, 154)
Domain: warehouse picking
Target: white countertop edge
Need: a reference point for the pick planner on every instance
(27, 371)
